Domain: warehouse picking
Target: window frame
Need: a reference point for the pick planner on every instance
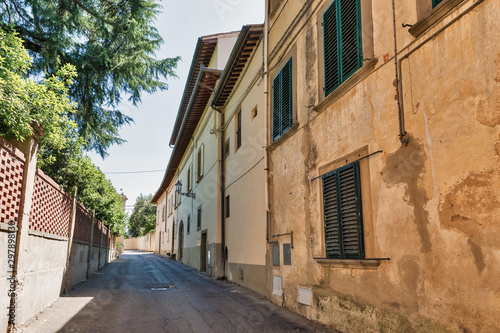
(337, 201)
(341, 76)
(189, 178)
(198, 221)
(188, 224)
(200, 161)
(238, 130)
(227, 148)
(278, 79)
(227, 206)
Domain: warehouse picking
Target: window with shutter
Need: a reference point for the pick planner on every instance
(342, 213)
(282, 101)
(238, 130)
(436, 2)
(341, 42)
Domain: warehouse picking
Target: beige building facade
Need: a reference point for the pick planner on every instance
(349, 163)
(384, 171)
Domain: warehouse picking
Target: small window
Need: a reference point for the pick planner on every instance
(163, 212)
(254, 113)
(341, 42)
(189, 224)
(200, 161)
(189, 177)
(276, 255)
(198, 224)
(227, 148)
(287, 254)
(342, 213)
(282, 101)
(238, 130)
(227, 207)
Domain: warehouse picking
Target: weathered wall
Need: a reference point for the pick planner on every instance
(245, 179)
(145, 243)
(431, 206)
(40, 275)
(78, 263)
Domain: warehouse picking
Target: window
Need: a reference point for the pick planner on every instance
(163, 212)
(282, 101)
(198, 225)
(238, 130)
(189, 176)
(287, 254)
(341, 42)
(436, 2)
(254, 113)
(189, 224)
(342, 213)
(227, 207)
(177, 199)
(226, 149)
(200, 161)
(276, 255)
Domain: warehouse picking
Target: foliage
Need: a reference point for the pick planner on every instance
(23, 101)
(143, 219)
(111, 43)
(71, 168)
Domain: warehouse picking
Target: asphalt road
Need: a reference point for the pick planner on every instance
(143, 292)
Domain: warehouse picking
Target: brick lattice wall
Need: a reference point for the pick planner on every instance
(51, 207)
(97, 232)
(83, 224)
(11, 182)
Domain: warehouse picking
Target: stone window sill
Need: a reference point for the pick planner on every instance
(432, 17)
(369, 264)
(279, 141)
(347, 85)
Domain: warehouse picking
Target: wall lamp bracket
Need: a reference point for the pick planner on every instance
(178, 189)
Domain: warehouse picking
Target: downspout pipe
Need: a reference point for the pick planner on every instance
(399, 73)
(402, 132)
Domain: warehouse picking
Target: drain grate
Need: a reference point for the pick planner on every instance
(161, 288)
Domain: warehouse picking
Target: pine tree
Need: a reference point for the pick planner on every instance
(112, 44)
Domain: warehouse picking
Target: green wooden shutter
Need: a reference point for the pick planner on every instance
(286, 97)
(330, 43)
(282, 101)
(436, 2)
(276, 106)
(342, 213)
(342, 42)
(331, 216)
(350, 32)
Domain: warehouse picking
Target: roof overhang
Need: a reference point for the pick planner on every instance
(246, 44)
(202, 91)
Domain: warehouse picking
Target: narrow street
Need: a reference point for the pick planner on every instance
(142, 292)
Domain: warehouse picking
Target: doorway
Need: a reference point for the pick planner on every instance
(203, 252)
(181, 240)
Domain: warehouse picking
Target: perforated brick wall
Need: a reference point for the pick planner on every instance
(11, 182)
(51, 207)
(83, 224)
(97, 232)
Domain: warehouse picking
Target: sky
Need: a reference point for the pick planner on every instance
(146, 149)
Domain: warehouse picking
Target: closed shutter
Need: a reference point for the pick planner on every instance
(276, 107)
(286, 96)
(342, 213)
(282, 101)
(330, 36)
(342, 42)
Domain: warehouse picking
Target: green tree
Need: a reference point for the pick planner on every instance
(143, 219)
(23, 101)
(112, 44)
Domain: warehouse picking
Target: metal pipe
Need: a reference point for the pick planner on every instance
(288, 233)
(400, 73)
(402, 132)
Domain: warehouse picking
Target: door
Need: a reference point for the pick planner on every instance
(203, 252)
(181, 240)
